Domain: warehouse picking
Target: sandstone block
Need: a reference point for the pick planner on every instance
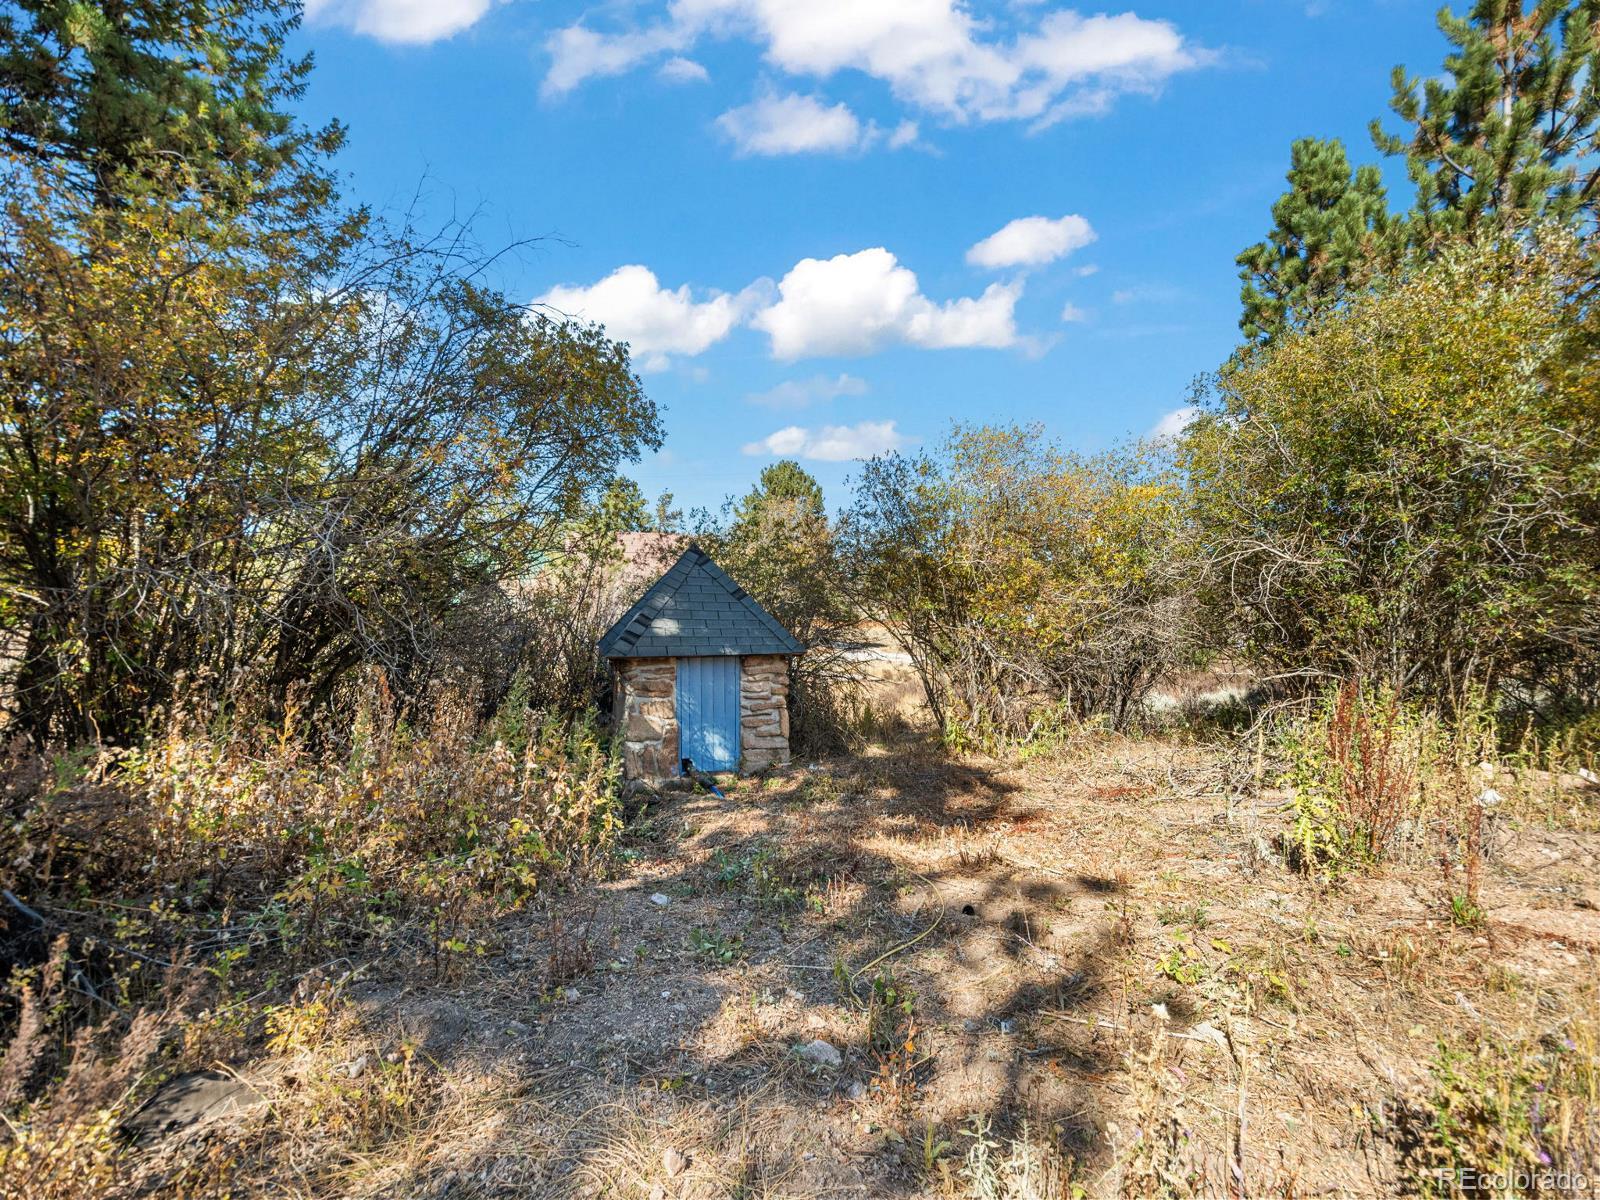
(641, 728)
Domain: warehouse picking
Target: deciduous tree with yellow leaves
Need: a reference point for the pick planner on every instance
(249, 434)
(1408, 490)
(1025, 583)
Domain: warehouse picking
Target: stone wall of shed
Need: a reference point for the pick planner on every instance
(646, 715)
(763, 711)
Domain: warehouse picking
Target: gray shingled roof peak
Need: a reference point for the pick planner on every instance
(695, 610)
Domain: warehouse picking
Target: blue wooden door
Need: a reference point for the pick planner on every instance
(708, 712)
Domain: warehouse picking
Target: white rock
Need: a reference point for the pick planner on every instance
(821, 1054)
(661, 899)
(673, 1162)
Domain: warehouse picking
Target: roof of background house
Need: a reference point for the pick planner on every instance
(645, 556)
(696, 610)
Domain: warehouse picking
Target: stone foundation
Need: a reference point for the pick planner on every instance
(645, 711)
(763, 711)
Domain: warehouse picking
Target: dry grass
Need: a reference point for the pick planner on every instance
(1072, 975)
(186, 889)
(649, 1145)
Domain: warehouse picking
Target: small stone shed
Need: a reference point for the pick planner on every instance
(701, 673)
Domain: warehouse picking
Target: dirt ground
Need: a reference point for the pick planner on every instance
(1090, 970)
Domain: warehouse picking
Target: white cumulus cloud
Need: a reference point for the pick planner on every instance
(1032, 242)
(803, 393)
(851, 304)
(578, 53)
(790, 123)
(683, 70)
(1071, 313)
(859, 303)
(409, 21)
(933, 55)
(793, 124)
(831, 443)
(1171, 426)
(655, 321)
(903, 135)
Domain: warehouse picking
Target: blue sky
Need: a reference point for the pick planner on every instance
(831, 227)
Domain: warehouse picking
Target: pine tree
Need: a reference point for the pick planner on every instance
(1505, 138)
(779, 545)
(1328, 228)
(192, 91)
(784, 482)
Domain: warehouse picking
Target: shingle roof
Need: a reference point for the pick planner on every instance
(695, 610)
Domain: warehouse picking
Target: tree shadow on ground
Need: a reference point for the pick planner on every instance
(872, 872)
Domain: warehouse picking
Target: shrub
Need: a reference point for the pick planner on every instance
(1354, 770)
(1025, 585)
(1023, 1167)
(65, 1092)
(309, 847)
(234, 852)
(1404, 490)
(436, 824)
